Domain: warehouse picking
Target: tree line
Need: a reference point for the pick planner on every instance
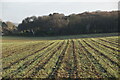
(58, 24)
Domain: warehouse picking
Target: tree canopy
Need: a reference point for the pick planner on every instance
(59, 24)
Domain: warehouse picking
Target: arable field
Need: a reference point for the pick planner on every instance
(67, 58)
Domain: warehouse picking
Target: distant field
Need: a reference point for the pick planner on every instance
(66, 58)
(60, 37)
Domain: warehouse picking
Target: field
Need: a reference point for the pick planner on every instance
(67, 58)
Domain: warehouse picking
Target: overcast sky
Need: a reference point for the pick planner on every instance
(16, 11)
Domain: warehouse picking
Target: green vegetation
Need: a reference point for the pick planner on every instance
(66, 58)
(58, 24)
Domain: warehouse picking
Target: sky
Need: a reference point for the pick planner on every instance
(16, 11)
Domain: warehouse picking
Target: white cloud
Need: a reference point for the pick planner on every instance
(1, 10)
(11, 10)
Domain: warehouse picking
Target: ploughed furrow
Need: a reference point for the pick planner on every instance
(85, 63)
(54, 73)
(111, 47)
(70, 67)
(17, 45)
(47, 69)
(26, 56)
(30, 69)
(13, 48)
(62, 71)
(43, 63)
(105, 61)
(70, 64)
(109, 42)
(79, 57)
(13, 45)
(75, 72)
(95, 66)
(103, 54)
(18, 55)
(82, 63)
(19, 49)
(67, 66)
(110, 54)
(22, 65)
(114, 39)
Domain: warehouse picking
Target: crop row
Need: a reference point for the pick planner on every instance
(72, 58)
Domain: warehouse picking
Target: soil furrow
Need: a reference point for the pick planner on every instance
(26, 56)
(41, 66)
